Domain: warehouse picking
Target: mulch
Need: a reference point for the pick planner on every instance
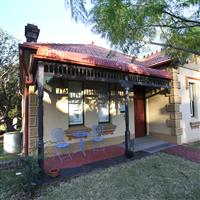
(186, 152)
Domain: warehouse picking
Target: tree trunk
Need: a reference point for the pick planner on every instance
(9, 124)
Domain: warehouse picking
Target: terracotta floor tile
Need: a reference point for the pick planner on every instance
(78, 159)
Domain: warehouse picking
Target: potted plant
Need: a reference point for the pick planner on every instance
(54, 172)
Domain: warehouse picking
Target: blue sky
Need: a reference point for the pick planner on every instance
(50, 16)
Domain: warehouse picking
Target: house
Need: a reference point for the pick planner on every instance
(182, 104)
(76, 86)
(188, 105)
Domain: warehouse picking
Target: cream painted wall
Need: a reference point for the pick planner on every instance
(118, 119)
(157, 115)
(56, 112)
(190, 70)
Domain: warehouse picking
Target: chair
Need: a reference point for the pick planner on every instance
(58, 141)
(97, 137)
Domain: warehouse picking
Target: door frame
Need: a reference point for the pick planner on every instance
(145, 114)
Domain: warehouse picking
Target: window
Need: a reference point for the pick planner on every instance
(103, 105)
(75, 103)
(192, 99)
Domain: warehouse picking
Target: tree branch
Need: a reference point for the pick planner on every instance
(175, 47)
(173, 27)
(181, 18)
(1, 77)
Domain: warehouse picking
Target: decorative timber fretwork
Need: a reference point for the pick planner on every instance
(76, 72)
(155, 91)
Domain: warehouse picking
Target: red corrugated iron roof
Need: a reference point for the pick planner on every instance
(95, 56)
(155, 59)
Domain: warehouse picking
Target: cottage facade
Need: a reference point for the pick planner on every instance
(77, 86)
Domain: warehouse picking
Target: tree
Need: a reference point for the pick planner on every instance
(131, 25)
(9, 75)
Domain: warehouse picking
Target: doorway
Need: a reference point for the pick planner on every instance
(140, 112)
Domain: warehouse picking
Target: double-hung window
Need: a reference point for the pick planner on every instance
(192, 99)
(75, 103)
(103, 105)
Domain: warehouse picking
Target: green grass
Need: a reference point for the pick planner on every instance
(6, 156)
(9, 184)
(160, 176)
(19, 187)
(194, 145)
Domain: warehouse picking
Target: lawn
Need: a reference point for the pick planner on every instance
(10, 185)
(160, 176)
(17, 184)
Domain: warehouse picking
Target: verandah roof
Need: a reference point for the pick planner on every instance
(98, 57)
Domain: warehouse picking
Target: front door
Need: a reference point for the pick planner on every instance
(139, 108)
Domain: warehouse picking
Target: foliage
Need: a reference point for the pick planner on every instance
(133, 25)
(9, 184)
(30, 173)
(160, 176)
(14, 186)
(9, 81)
(78, 10)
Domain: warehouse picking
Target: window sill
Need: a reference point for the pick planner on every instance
(195, 124)
(108, 128)
(72, 129)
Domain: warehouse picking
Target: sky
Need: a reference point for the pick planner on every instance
(51, 17)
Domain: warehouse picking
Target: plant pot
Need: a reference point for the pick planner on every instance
(54, 172)
(12, 142)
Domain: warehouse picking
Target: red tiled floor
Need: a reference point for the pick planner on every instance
(78, 159)
(185, 152)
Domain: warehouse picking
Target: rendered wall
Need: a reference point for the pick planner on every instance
(56, 111)
(157, 114)
(163, 110)
(190, 125)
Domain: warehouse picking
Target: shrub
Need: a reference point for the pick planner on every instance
(30, 173)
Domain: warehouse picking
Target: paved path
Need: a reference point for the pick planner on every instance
(186, 152)
(151, 145)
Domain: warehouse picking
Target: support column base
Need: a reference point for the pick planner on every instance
(129, 154)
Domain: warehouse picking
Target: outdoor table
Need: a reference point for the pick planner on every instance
(81, 135)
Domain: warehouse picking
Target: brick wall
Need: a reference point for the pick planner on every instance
(174, 104)
(33, 131)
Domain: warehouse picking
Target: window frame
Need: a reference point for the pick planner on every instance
(83, 116)
(192, 99)
(108, 101)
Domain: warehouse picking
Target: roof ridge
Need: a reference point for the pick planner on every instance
(152, 55)
(111, 50)
(80, 44)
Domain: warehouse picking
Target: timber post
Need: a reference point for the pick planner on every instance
(128, 147)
